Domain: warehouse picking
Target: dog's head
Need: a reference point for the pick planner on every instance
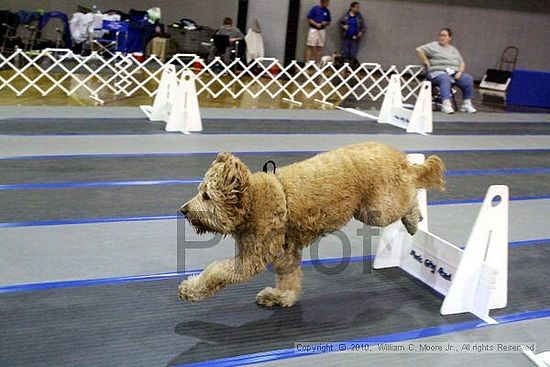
(221, 204)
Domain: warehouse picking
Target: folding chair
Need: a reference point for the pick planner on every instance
(53, 31)
(9, 38)
(509, 58)
(436, 94)
(8, 28)
(221, 43)
(27, 33)
(225, 48)
(115, 43)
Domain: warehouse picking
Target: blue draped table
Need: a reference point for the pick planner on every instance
(529, 88)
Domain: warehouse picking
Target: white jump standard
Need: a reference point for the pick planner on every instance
(176, 102)
(419, 120)
(473, 279)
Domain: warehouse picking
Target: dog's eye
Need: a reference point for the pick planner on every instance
(205, 196)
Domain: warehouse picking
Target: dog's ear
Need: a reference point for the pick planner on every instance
(236, 174)
(224, 157)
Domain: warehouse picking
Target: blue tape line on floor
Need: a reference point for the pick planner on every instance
(152, 155)
(504, 171)
(162, 276)
(480, 200)
(275, 134)
(64, 222)
(100, 184)
(90, 282)
(281, 354)
(97, 184)
(191, 154)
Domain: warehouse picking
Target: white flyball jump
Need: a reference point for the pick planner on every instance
(419, 120)
(176, 102)
(539, 359)
(473, 279)
(166, 94)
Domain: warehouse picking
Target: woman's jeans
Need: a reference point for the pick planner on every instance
(444, 81)
(349, 48)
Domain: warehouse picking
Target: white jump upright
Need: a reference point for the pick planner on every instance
(164, 99)
(185, 114)
(540, 359)
(419, 120)
(473, 279)
(176, 102)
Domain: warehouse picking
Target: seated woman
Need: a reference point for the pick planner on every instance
(445, 66)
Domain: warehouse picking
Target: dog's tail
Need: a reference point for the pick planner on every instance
(430, 173)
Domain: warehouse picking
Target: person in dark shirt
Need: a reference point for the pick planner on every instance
(227, 29)
(353, 27)
(318, 19)
(235, 36)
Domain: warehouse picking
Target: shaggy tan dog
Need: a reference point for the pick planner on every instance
(273, 216)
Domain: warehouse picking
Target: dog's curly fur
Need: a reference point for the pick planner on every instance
(273, 216)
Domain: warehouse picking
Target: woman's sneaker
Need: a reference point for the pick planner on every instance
(446, 107)
(467, 106)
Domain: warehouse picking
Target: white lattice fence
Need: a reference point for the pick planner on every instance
(59, 70)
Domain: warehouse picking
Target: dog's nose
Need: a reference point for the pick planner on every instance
(183, 210)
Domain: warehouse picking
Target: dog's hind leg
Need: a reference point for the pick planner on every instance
(411, 219)
(289, 282)
(373, 217)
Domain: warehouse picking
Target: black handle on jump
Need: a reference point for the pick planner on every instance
(266, 164)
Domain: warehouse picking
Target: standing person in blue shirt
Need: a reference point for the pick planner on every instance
(353, 27)
(318, 19)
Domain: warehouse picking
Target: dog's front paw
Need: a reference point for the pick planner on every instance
(192, 289)
(270, 297)
(266, 297)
